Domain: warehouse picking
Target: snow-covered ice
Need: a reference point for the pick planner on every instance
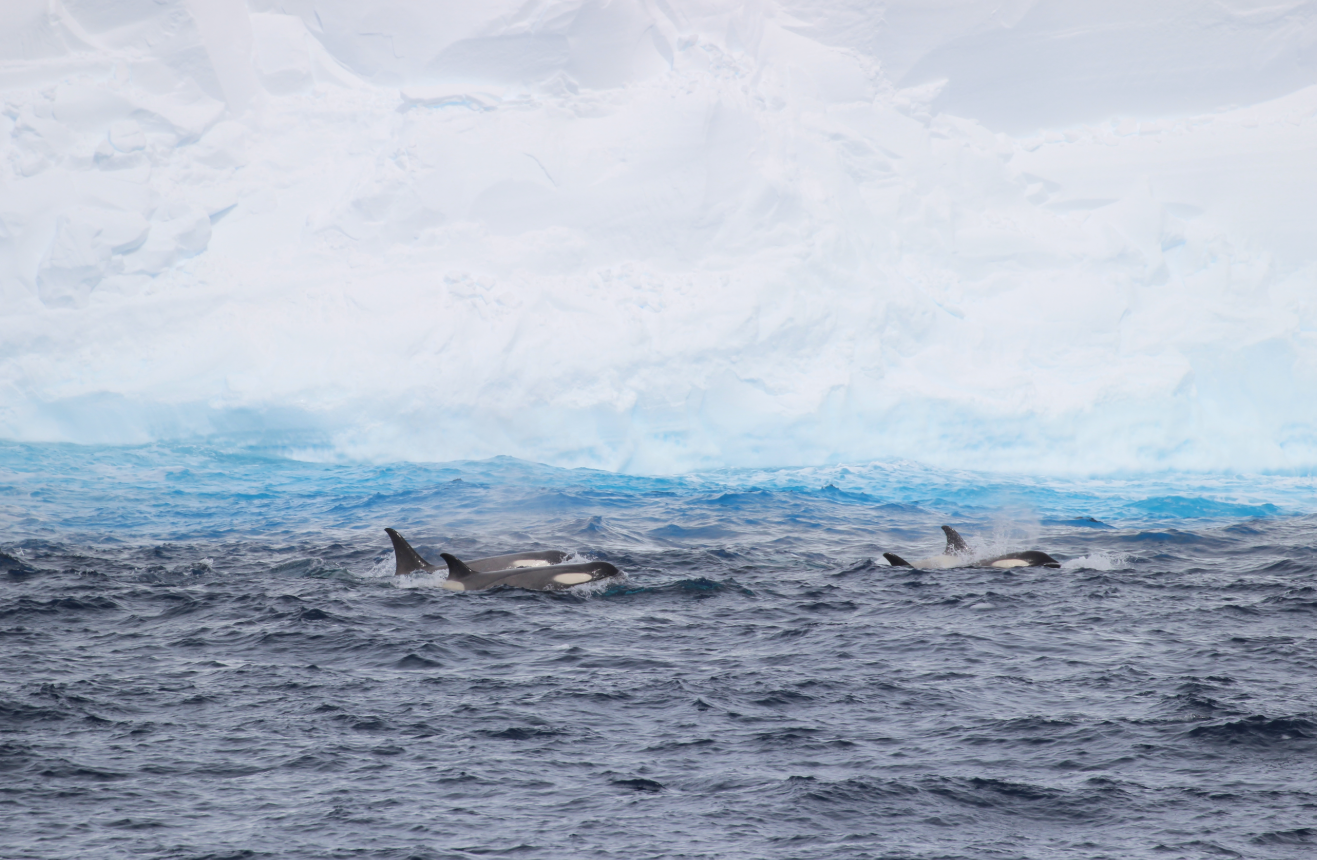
(650, 235)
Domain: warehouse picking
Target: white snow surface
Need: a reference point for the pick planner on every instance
(1057, 236)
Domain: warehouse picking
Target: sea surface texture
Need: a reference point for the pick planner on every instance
(208, 655)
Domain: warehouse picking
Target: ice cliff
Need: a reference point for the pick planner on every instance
(651, 235)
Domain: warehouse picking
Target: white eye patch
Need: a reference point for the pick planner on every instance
(572, 578)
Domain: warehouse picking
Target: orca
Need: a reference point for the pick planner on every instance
(538, 571)
(408, 560)
(553, 577)
(958, 554)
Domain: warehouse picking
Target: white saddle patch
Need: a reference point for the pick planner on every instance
(1010, 562)
(453, 585)
(529, 562)
(572, 578)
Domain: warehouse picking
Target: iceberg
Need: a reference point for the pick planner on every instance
(656, 236)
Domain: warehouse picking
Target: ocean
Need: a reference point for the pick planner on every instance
(207, 655)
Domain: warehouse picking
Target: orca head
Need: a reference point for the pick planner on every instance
(579, 574)
(1028, 558)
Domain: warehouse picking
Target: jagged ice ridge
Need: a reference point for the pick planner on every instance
(653, 235)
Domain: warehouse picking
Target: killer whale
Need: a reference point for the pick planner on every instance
(408, 560)
(553, 577)
(538, 571)
(957, 554)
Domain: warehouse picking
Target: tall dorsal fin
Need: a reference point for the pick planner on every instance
(457, 569)
(408, 559)
(955, 543)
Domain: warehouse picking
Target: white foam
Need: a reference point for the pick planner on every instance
(426, 580)
(1097, 561)
(385, 567)
(654, 237)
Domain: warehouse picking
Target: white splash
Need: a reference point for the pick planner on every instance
(1097, 561)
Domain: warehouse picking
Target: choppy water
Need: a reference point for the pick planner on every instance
(206, 655)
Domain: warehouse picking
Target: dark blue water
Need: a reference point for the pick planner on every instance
(206, 655)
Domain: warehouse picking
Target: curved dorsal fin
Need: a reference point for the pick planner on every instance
(457, 569)
(955, 543)
(408, 559)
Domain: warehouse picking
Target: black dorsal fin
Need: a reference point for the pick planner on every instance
(457, 569)
(955, 543)
(895, 560)
(408, 559)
